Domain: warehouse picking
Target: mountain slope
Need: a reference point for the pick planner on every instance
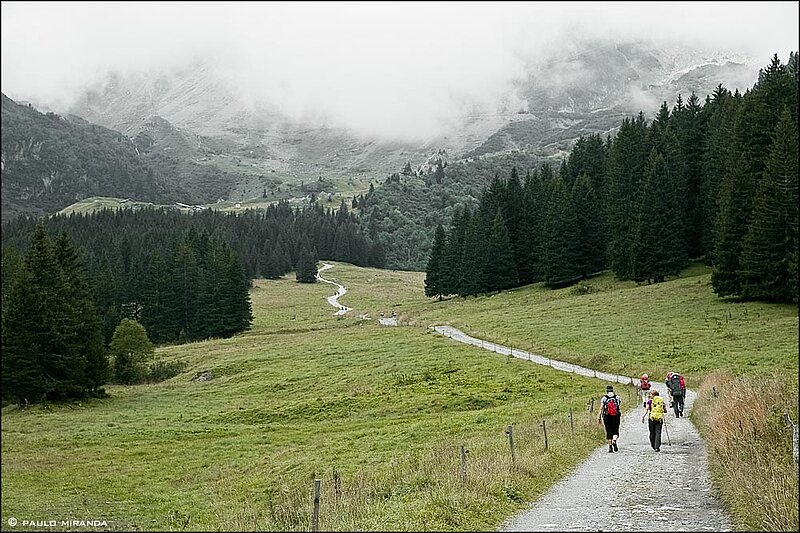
(50, 161)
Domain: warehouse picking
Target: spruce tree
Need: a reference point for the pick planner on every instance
(560, 249)
(589, 220)
(306, 270)
(84, 327)
(474, 259)
(501, 269)
(731, 226)
(626, 163)
(434, 273)
(720, 111)
(23, 373)
(768, 270)
(453, 257)
(658, 241)
(532, 228)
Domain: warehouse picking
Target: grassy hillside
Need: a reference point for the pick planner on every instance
(305, 394)
(300, 395)
(628, 329)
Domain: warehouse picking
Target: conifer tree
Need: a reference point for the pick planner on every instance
(23, 373)
(769, 271)
(84, 327)
(560, 249)
(720, 111)
(474, 258)
(532, 228)
(306, 267)
(731, 226)
(658, 249)
(518, 226)
(626, 163)
(434, 274)
(589, 220)
(454, 253)
(501, 272)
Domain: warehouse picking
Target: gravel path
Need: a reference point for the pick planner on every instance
(635, 489)
(334, 300)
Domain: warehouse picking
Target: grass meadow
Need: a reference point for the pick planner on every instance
(377, 413)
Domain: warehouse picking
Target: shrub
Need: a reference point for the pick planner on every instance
(163, 370)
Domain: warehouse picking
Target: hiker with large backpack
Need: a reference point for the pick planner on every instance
(610, 416)
(676, 387)
(655, 414)
(644, 388)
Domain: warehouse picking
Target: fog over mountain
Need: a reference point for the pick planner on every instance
(404, 71)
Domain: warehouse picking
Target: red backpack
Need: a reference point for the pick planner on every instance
(612, 405)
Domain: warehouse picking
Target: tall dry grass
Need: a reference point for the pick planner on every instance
(750, 446)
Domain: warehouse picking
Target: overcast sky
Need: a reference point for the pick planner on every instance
(360, 62)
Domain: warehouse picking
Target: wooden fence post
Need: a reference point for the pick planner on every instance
(571, 423)
(337, 484)
(315, 514)
(463, 464)
(544, 427)
(510, 433)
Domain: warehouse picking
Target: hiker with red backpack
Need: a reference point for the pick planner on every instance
(676, 387)
(610, 416)
(644, 388)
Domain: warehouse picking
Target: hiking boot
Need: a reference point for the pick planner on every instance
(610, 449)
(614, 444)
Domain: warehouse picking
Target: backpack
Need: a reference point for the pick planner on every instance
(657, 409)
(612, 405)
(675, 385)
(644, 383)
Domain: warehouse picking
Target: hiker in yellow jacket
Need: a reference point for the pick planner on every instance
(655, 414)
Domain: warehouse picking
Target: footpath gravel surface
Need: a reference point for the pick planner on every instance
(341, 291)
(634, 489)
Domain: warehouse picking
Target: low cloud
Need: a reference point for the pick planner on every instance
(389, 69)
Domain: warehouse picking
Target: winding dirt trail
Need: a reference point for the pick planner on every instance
(341, 291)
(634, 489)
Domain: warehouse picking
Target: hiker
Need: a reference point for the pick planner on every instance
(655, 414)
(610, 416)
(644, 389)
(676, 387)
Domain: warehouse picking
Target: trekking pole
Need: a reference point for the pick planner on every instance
(667, 431)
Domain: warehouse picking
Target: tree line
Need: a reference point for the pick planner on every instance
(182, 277)
(713, 181)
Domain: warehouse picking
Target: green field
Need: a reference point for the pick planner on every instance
(613, 326)
(305, 394)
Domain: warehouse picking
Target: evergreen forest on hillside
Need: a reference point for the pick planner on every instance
(183, 277)
(714, 181)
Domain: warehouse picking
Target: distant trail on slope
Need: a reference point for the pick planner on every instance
(634, 489)
(334, 300)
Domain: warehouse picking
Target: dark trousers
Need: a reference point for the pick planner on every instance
(655, 432)
(677, 404)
